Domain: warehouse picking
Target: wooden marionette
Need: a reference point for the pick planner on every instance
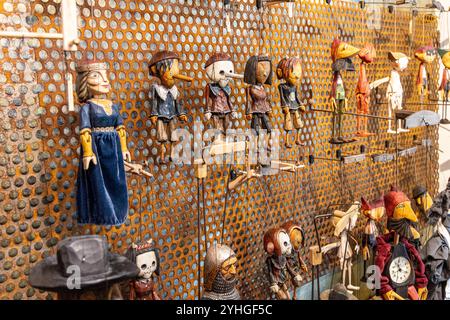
(165, 103)
(401, 266)
(220, 70)
(146, 257)
(258, 72)
(426, 56)
(374, 212)
(394, 92)
(344, 223)
(444, 88)
(278, 246)
(220, 274)
(290, 70)
(422, 200)
(102, 196)
(341, 54)
(363, 91)
(295, 260)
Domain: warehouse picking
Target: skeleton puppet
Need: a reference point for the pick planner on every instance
(444, 89)
(278, 245)
(367, 55)
(426, 56)
(220, 274)
(220, 70)
(341, 54)
(394, 92)
(290, 70)
(146, 257)
(165, 106)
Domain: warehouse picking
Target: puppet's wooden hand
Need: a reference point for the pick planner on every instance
(274, 288)
(88, 160)
(183, 118)
(392, 295)
(333, 104)
(208, 115)
(285, 110)
(423, 293)
(154, 119)
(249, 117)
(126, 156)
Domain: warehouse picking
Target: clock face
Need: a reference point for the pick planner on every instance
(400, 270)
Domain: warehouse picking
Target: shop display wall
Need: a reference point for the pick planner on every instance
(39, 145)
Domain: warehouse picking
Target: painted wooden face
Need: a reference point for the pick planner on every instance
(218, 72)
(229, 269)
(262, 71)
(168, 77)
(426, 55)
(401, 64)
(367, 54)
(374, 213)
(446, 60)
(98, 82)
(296, 238)
(285, 243)
(147, 264)
(295, 74)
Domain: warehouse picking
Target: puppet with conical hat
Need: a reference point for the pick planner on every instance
(367, 55)
(374, 212)
(444, 88)
(341, 54)
(402, 269)
(426, 56)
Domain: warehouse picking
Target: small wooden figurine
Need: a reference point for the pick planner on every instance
(165, 104)
(363, 91)
(102, 196)
(444, 89)
(422, 200)
(341, 54)
(278, 246)
(145, 255)
(220, 70)
(290, 70)
(258, 72)
(220, 274)
(295, 260)
(426, 56)
(402, 269)
(394, 92)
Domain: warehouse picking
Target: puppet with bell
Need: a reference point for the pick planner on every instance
(102, 196)
(219, 69)
(426, 56)
(165, 103)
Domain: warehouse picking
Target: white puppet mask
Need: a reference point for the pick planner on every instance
(221, 72)
(147, 264)
(285, 243)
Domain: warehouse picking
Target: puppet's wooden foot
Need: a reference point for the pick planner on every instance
(162, 155)
(352, 287)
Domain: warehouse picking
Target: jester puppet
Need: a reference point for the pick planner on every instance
(402, 269)
(426, 56)
(341, 54)
(444, 88)
(367, 55)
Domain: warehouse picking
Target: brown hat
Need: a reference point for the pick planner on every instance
(219, 56)
(162, 55)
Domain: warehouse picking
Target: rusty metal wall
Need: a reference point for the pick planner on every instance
(39, 144)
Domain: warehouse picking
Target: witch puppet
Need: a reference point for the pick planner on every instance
(258, 72)
(341, 54)
(444, 88)
(165, 103)
(290, 71)
(426, 56)
(219, 69)
(102, 196)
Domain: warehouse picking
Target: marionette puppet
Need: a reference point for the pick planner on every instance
(394, 92)
(402, 269)
(344, 223)
(426, 56)
(278, 246)
(220, 274)
(295, 260)
(444, 89)
(422, 200)
(146, 257)
(258, 72)
(165, 103)
(290, 70)
(341, 54)
(220, 70)
(435, 252)
(374, 212)
(102, 196)
(363, 91)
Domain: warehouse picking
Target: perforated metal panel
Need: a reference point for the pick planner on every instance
(39, 145)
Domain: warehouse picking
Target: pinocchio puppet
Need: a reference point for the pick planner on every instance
(165, 104)
(341, 54)
(367, 55)
(444, 88)
(426, 56)
(401, 266)
(290, 70)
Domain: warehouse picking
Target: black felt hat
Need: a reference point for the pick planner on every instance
(419, 191)
(86, 256)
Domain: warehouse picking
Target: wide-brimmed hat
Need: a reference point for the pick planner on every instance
(87, 256)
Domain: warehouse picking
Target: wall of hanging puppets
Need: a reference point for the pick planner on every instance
(95, 98)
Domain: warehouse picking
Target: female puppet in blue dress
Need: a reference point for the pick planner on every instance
(102, 197)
